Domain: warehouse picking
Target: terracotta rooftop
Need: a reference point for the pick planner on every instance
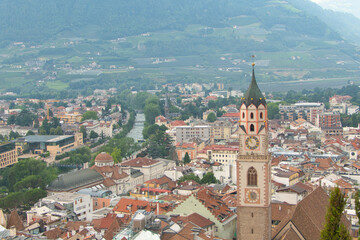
(342, 183)
(177, 123)
(194, 218)
(279, 211)
(139, 162)
(231, 115)
(130, 206)
(307, 218)
(15, 220)
(53, 233)
(187, 233)
(215, 204)
(104, 157)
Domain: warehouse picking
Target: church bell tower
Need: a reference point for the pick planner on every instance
(253, 167)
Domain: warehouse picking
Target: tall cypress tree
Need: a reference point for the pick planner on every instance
(357, 206)
(186, 158)
(334, 229)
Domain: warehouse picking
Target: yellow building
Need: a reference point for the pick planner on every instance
(69, 118)
(8, 155)
(221, 130)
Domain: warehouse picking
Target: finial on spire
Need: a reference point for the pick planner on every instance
(253, 61)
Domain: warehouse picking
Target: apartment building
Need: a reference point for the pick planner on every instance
(8, 155)
(186, 133)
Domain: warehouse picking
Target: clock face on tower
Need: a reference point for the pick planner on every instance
(252, 196)
(252, 142)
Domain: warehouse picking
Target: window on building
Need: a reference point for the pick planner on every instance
(252, 115)
(243, 115)
(252, 177)
(252, 128)
(261, 115)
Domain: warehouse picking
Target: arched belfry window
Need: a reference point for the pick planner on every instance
(252, 115)
(252, 128)
(261, 115)
(252, 177)
(243, 115)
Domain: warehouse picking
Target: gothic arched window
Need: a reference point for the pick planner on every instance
(252, 115)
(261, 115)
(252, 177)
(252, 128)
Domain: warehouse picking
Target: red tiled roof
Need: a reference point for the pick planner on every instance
(356, 165)
(324, 163)
(187, 233)
(130, 206)
(113, 170)
(108, 182)
(211, 97)
(15, 220)
(195, 218)
(139, 162)
(104, 157)
(75, 225)
(160, 181)
(177, 123)
(342, 183)
(308, 217)
(186, 145)
(53, 233)
(237, 115)
(214, 204)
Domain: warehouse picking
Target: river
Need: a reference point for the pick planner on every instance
(136, 131)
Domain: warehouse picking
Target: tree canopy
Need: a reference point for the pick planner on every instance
(334, 229)
(89, 115)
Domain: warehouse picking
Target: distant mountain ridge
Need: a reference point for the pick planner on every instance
(35, 20)
(347, 25)
(72, 44)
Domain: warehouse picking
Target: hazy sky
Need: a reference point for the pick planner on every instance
(350, 6)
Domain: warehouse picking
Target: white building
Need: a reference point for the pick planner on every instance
(151, 168)
(185, 133)
(80, 204)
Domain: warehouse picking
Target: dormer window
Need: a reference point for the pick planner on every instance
(252, 115)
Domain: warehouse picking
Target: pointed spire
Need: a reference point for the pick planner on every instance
(253, 95)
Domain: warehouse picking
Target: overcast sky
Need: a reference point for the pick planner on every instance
(350, 6)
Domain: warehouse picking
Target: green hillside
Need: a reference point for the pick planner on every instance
(56, 49)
